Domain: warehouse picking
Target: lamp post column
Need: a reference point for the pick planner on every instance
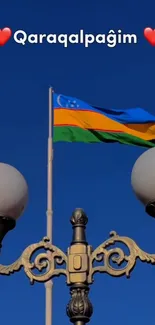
(79, 309)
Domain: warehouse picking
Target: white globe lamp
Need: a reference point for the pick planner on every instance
(143, 180)
(13, 197)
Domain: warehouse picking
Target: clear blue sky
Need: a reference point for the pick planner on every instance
(95, 177)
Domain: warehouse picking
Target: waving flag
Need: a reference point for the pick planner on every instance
(77, 121)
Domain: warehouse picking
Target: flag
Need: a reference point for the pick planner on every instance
(77, 121)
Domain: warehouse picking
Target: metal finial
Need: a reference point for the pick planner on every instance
(79, 217)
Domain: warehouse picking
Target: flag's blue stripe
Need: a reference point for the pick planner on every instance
(124, 116)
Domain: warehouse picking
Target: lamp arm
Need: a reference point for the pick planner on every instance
(43, 261)
(118, 256)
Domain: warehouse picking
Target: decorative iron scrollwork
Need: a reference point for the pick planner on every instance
(48, 263)
(41, 262)
(118, 256)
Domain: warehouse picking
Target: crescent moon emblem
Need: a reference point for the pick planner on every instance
(59, 100)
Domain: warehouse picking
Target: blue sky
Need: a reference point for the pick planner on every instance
(94, 177)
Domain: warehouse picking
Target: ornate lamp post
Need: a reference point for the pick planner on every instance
(78, 265)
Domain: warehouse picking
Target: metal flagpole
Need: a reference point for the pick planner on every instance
(49, 213)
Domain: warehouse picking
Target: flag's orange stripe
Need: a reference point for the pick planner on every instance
(85, 120)
(97, 121)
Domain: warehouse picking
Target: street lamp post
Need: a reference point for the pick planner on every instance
(81, 262)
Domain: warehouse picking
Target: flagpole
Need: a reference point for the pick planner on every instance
(49, 212)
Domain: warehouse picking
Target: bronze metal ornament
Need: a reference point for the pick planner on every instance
(78, 265)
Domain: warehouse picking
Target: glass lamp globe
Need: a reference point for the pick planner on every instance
(143, 180)
(13, 192)
(13, 198)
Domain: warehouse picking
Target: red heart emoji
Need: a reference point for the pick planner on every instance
(149, 34)
(5, 35)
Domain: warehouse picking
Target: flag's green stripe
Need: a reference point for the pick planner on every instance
(75, 134)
